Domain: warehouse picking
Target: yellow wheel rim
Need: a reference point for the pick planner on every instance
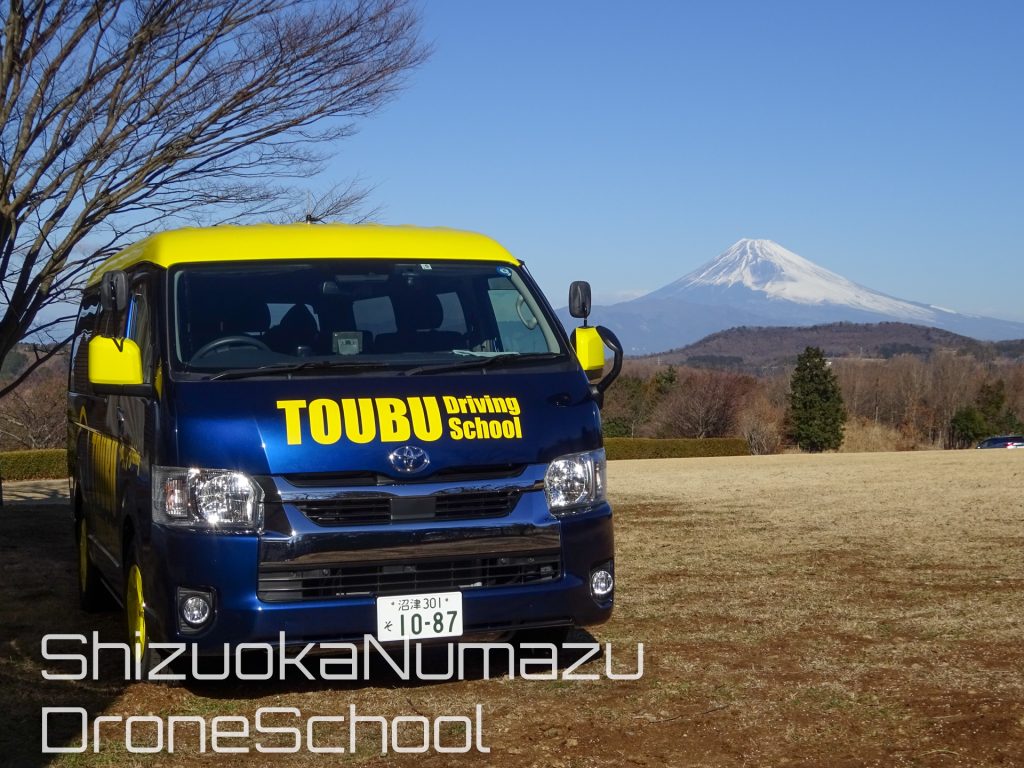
(83, 555)
(135, 605)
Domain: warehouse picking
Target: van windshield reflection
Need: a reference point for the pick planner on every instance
(309, 317)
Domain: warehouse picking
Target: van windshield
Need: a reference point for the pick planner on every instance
(234, 317)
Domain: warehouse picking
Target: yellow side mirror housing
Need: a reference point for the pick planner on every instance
(114, 362)
(589, 350)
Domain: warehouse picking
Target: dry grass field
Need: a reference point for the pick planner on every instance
(836, 610)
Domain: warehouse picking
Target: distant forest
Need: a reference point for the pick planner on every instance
(905, 387)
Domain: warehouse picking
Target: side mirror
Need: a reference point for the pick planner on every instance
(115, 366)
(579, 299)
(114, 291)
(590, 350)
(590, 344)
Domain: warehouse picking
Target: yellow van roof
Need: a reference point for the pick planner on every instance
(306, 241)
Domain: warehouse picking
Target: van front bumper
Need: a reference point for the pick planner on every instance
(228, 567)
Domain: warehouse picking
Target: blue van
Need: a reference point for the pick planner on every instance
(336, 431)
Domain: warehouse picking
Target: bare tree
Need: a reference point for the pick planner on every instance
(760, 422)
(34, 415)
(1015, 390)
(954, 381)
(118, 116)
(704, 403)
(912, 384)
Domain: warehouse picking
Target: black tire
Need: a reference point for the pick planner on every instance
(92, 596)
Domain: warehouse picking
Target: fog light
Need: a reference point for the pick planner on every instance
(601, 583)
(195, 610)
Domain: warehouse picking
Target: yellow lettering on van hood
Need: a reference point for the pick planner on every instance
(362, 420)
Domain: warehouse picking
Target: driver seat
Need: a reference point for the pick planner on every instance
(229, 317)
(246, 319)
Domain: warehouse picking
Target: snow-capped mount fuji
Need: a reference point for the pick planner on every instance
(761, 283)
(765, 267)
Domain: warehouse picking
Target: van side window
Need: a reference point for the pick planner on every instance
(111, 323)
(84, 330)
(518, 327)
(138, 326)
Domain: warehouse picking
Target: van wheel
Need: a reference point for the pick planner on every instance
(92, 596)
(135, 618)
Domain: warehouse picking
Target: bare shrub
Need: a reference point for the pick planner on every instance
(866, 436)
(704, 403)
(761, 423)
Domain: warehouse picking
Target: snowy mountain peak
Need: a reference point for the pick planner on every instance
(759, 265)
(760, 283)
(777, 274)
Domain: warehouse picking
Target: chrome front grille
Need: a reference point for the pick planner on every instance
(277, 584)
(381, 508)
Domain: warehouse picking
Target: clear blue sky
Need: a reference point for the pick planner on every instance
(626, 143)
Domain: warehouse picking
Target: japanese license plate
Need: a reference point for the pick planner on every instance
(415, 617)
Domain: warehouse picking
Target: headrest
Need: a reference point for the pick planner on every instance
(418, 311)
(298, 319)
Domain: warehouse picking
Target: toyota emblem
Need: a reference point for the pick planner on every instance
(409, 459)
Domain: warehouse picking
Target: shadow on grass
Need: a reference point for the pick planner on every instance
(39, 596)
(440, 661)
(21, 494)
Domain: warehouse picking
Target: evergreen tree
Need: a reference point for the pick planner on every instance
(816, 412)
(988, 416)
(968, 426)
(991, 401)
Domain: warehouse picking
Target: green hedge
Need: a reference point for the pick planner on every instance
(683, 448)
(51, 463)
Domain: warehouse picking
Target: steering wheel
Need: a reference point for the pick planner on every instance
(230, 341)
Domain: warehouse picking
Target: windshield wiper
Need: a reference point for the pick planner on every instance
(482, 362)
(310, 365)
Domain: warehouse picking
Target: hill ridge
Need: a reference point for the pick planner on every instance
(747, 347)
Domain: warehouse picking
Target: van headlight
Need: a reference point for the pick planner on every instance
(207, 499)
(575, 482)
